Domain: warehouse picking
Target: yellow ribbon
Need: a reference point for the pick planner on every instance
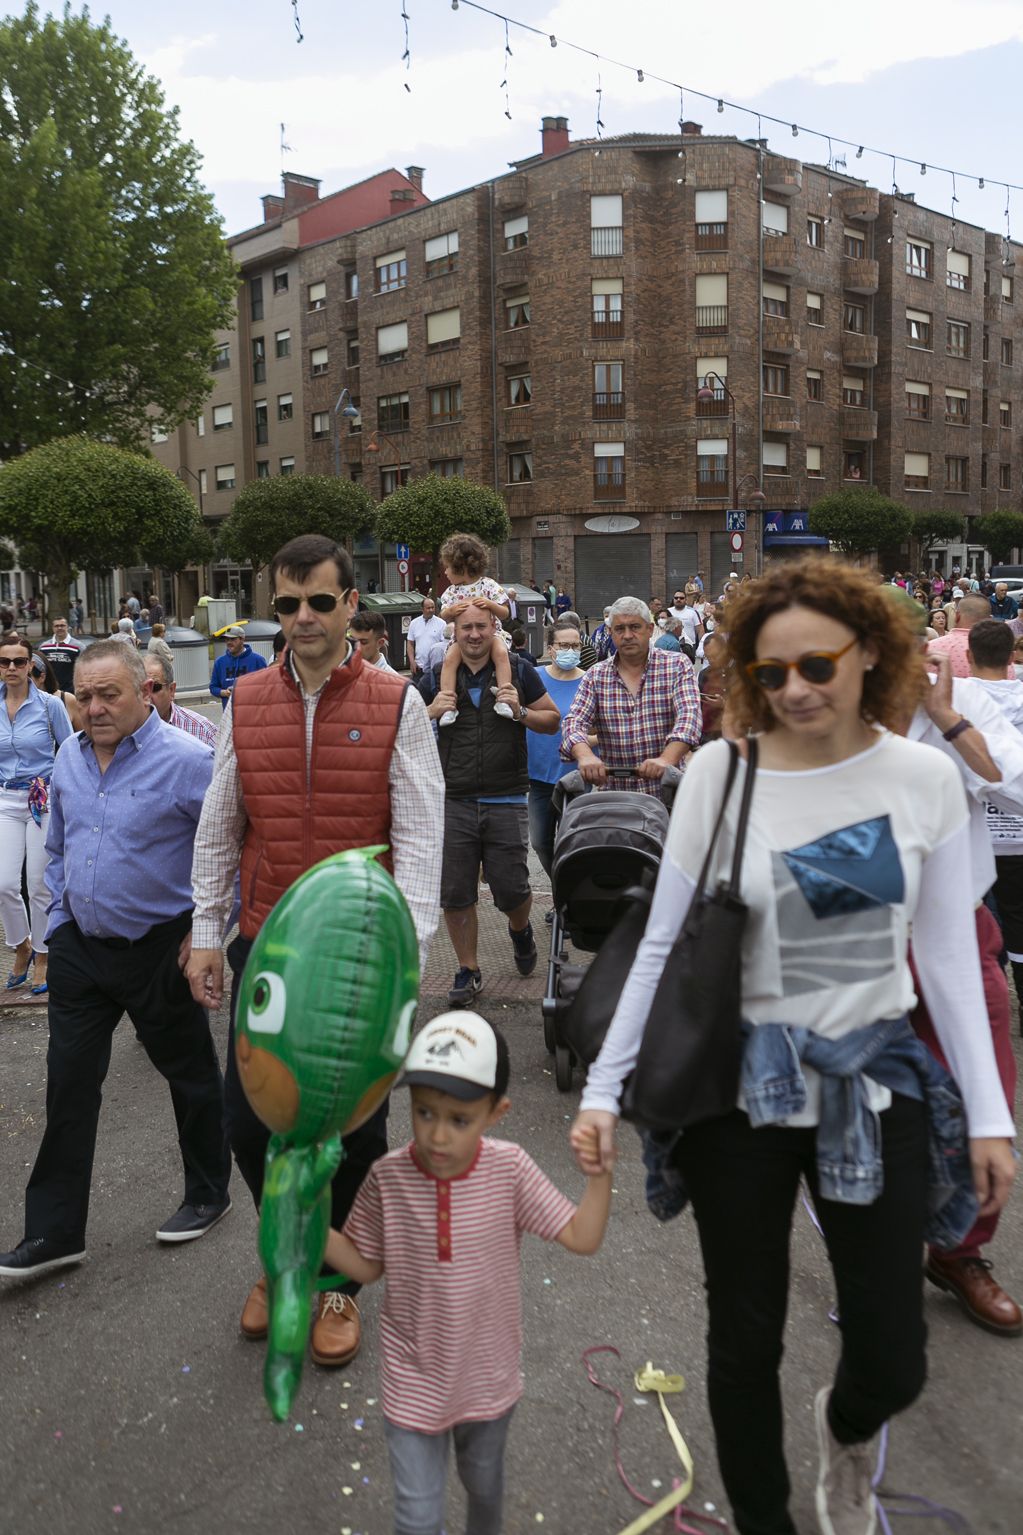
(650, 1379)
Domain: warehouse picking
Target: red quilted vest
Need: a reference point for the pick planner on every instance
(346, 801)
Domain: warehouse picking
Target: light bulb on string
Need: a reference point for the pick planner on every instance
(553, 41)
(859, 153)
(980, 183)
(640, 76)
(923, 169)
(795, 131)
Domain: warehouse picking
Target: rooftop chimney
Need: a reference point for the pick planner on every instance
(299, 191)
(415, 174)
(273, 206)
(554, 135)
(693, 129)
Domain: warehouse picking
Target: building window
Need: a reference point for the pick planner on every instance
(918, 401)
(200, 426)
(223, 417)
(320, 425)
(814, 384)
(285, 407)
(983, 473)
(352, 350)
(1007, 290)
(918, 471)
(319, 361)
(774, 218)
(815, 233)
(262, 468)
(957, 270)
(158, 435)
(957, 407)
(983, 407)
(316, 296)
(606, 300)
(776, 458)
(520, 388)
(355, 474)
(712, 304)
(814, 309)
(520, 466)
(354, 422)
(776, 298)
(712, 466)
(287, 464)
(1005, 413)
(854, 317)
(712, 221)
(448, 468)
(608, 471)
(1007, 351)
(606, 226)
(918, 329)
(957, 474)
(712, 374)
(258, 360)
(854, 244)
(262, 420)
(854, 390)
(445, 403)
(280, 284)
(957, 339)
(854, 464)
(256, 298)
(776, 378)
(440, 254)
(221, 357)
(608, 391)
(392, 342)
(1004, 476)
(815, 463)
(282, 343)
(392, 412)
(516, 232)
(223, 477)
(517, 311)
(918, 258)
(392, 478)
(351, 282)
(443, 329)
(392, 271)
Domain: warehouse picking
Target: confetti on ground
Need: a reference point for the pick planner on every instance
(365, 1481)
(356, 1465)
(299, 1428)
(347, 1491)
(344, 1406)
(358, 1425)
(118, 1509)
(59, 1434)
(656, 1482)
(186, 1369)
(371, 1401)
(538, 1518)
(709, 1507)
(547, 1281)
(346, 1529)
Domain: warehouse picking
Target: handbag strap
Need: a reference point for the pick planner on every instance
(740, 829)
(733, 766)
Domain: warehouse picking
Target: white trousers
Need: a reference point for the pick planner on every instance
(22, 841)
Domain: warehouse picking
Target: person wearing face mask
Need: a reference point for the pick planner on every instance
(562, 676)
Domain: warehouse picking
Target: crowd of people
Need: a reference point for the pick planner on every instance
(883, 874)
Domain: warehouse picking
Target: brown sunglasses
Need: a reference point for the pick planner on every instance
(817, 666)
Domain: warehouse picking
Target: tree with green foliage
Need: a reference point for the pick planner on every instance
(268, 513)
(425, 512)
(861, 520)
(1000, 532)
(936, 525)
(74, 505)
(115, 273)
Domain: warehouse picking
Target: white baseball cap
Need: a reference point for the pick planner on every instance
(456, 1053)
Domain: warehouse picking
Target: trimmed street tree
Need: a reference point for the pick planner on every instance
(935, 525)
(1000, 532)
(115, 273)
(269, 513)
(74, 505)
(425, 512)
(860, 521)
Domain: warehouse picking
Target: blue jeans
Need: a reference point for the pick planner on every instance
(541, 822)
(419, 1468)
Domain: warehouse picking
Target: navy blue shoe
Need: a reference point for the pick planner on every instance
(468, 984)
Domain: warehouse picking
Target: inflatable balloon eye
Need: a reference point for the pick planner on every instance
(325, 1011)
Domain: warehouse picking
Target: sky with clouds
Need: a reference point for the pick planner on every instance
(938, 83)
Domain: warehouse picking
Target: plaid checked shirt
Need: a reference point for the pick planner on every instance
(193, 724)
(630, 727)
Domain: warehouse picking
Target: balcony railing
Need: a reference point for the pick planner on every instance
(711, 237)
(606, 241)
(712, 482)
(608, 326)
(609, 405)
(609, 485)
(718, 406)
(712, 319)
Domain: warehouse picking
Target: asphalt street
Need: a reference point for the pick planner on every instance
(130, 1401)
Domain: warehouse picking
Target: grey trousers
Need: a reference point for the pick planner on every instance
(419, 1465)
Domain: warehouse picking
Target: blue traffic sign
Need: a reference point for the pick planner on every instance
(401, 551)
(735, 522)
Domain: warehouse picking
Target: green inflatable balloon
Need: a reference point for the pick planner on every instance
(322, 1025)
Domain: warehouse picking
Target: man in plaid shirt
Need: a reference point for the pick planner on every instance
(643, 706)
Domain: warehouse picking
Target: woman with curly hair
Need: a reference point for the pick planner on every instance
(855, 834)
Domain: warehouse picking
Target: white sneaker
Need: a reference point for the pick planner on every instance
(448, 717)
(845, 1499)
(504, 710)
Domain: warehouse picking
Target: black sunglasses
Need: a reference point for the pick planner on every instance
(157, 687)
(320, 602)
(18, 661)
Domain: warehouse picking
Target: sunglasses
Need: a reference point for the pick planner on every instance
(817, 666)
(320, 602)
(18, 661)
(156, 687)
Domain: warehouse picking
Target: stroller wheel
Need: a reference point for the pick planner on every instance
(563, 1068)
(550, 1038)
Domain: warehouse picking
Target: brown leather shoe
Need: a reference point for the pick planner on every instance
(255, 1315)
(337, 1331)
(978, 1292)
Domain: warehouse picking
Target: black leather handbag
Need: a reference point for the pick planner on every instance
(689, 1060)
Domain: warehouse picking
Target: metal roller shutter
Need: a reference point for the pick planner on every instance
(681, 560)
(721, 558)
(543, 563)
(607, 566)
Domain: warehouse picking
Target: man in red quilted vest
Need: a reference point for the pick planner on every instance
(318, 754)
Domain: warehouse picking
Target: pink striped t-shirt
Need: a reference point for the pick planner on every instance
(451, 1319)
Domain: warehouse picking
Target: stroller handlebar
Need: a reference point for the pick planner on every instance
(573, 785)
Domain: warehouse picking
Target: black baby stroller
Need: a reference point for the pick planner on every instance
(606, 854)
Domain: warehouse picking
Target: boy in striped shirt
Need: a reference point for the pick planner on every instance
(443, 1218)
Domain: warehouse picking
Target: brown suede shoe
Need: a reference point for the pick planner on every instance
(255, 1315)
(337, 1331)
(978, 1292)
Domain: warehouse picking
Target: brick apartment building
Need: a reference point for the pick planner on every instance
(548, 332)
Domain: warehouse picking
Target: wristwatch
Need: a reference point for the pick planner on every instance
(522, 711)
(956, 730)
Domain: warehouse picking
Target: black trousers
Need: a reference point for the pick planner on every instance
(91, 985)
(249, 1136)
(743, 1185)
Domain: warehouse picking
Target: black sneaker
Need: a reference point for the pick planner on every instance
(548, 916)
(191, 1222)
(524, 945)
(468, 984)
(36, 1256)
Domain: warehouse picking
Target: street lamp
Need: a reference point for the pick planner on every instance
(344, 407)
(756, 500)
(373, 446)
(182, 469)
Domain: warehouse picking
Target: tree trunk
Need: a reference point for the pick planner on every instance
(57, 592)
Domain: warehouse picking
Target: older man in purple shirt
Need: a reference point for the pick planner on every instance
(125, 794)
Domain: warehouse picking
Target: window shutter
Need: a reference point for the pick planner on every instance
(914, 388)
(711, 290)
(775, 218)
(609, 450)
(918, 464)
(605, 212)
(813, 458)
(711, 207)
(606, 285)
(440, 246)
(389, 256)
(516, 226)
(776, 454)
(712, 447)
(776, 290)
(959, 261)
(392, 338)
(443, 325)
